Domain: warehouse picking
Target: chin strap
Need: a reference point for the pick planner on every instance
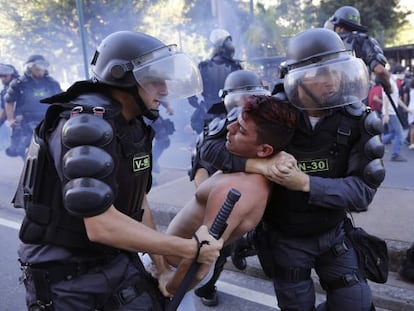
(151, 114)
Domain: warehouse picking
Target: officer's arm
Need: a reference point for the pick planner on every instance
(148, 219)
(383, 74)
(9, 108)
(89, 192)
(214, 152)
(118, 230)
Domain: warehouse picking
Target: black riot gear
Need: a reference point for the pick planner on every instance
(146, 61)
(348, 17)
(36, 60)
(322, 73)
(240, 83)
(222, 42)
(213, 72)
(7, 69)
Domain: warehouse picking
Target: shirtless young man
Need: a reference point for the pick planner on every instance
(263, 128)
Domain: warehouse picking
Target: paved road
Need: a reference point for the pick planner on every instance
(390, 216)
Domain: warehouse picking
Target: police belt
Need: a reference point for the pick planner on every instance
(56, 271)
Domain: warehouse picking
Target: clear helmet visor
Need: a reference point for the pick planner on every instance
(236, 97)
(38, 64)
(332, 83)
(167, 75)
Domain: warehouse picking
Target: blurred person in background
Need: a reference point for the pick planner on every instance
(346, 22)
(163, 128)
(213, 72)
(23, 108)
(392, 119)
(7, 74)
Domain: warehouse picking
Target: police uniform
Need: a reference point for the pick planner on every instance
(365, 47)
(84, 157)
(27, 93)
(342, 155)
(213, 73)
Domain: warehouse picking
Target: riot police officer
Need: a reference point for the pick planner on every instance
(213, 72)
(332, 165)
(85, 181)
(7, 74)
(23, 107)
(346, 21)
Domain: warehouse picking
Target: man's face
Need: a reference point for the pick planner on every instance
(317, 89)
(38, 71)
(151, 92)
(5, 79)
(242, 138)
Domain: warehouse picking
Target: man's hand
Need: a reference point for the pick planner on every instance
(209, 247)
(263, 165)
(290, 177)
(164, 279)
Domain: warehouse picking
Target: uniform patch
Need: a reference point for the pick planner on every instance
(140, 163)
(316, 165)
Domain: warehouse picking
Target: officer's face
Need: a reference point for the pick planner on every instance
(317, 89)
(242, 138)
(5, 79)
(38, 71)
(152, 91)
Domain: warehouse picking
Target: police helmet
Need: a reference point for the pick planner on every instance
(125, 59)
(239, 84)
(218, 36)
(8, 70)
(349, 17)
(320, 73)
(36, 60)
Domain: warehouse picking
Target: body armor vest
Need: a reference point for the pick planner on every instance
(214, 72)
(47, 221)
(29, 93)
(323, 152)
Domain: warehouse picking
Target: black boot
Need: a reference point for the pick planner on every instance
(407, 267)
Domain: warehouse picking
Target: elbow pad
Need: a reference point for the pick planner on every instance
(375, 54)
(86, 197)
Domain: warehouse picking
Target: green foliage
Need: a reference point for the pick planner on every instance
(259, 28)
(383, 18)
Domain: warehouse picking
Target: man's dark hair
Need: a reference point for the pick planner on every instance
(275, 119)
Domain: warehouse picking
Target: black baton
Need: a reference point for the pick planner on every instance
(393, 105)
(216, 230)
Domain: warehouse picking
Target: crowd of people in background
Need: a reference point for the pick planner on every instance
(390, 96)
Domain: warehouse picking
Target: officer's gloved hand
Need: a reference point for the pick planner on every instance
(193, 101)
(243, 248)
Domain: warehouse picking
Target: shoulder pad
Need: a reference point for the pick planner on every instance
(91, 101)
(362, 35)
(216, 127)
(355, 108)
(86, 129)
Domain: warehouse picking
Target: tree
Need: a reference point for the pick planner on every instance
(382, 17)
